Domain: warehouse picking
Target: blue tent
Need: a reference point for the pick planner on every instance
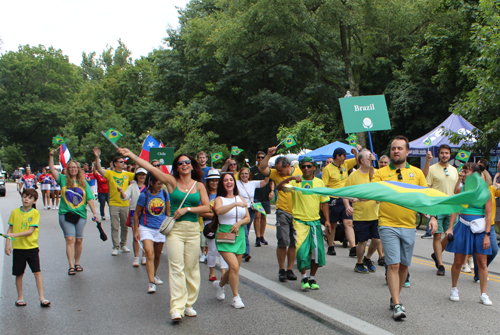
(321, 154)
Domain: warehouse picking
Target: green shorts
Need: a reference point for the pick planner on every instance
(443, 223)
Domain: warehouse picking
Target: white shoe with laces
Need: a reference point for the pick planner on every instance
(114, 252)
(485, 300)
(237, 303)
(158, 281)
(125, 249)
(454, 294)
(189, 311)
(151, 288)
(135, 263)
(203, 258)
(143, 261)
(220, 290)
(466, 268)
(176, 317)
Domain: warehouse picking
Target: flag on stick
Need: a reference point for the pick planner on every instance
(460, 167)
(59, 140)
(463, 156)
(290, 141)
(8, 237)
(236, 151)
(64, 155)
(112, 135)
(427, 141)
(216, 156)
(352, 140)
(149, 143)
(258, 207)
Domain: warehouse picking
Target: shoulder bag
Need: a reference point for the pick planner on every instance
(227, 237)
(169, 221)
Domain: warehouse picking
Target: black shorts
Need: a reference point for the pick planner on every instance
(366, 230)
(337, 210)
(22, 256)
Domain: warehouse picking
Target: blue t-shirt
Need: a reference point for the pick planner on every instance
(155, 208)
(205, 173)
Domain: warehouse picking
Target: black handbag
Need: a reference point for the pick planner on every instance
(72, 217)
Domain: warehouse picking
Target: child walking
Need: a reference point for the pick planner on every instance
(23, 226)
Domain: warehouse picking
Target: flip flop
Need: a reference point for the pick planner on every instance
(44, 303)
(20, 303)
(78, 268)
(71, 271)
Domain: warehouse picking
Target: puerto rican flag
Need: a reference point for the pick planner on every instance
(64, 155)
(151, 142)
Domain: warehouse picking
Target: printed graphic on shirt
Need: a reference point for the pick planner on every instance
(156, 206)
(74, 196)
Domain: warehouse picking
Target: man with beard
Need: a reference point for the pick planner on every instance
(397, 224)
(441, 176)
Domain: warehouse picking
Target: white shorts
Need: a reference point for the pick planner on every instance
(45, 187)
(151, 234)
(55, 188)
(18, 180)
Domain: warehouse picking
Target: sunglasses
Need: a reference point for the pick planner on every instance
(446, 172)
(187, 162)
(260, 157)
(400, 176)
(233, 164)
(157, 165)
(120, 161)
(306, 166)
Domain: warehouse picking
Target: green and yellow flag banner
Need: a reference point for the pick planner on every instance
(421, 199)
(8, 237)
(113, 135)
(460, 167)
(463, 156)
(258, 207)
(59, 140)
(290, 141)
(352, 140)
(236, 151)
(427, 141)
(216, 156)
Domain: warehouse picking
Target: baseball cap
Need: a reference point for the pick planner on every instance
(141, 170)
(339, 151)
(213, 174)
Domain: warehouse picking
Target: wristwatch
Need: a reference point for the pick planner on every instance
(189, 209)
(488, 233)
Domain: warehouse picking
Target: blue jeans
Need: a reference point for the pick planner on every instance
(247, 229)
(103, 198)
(427, 230)
(489, 258)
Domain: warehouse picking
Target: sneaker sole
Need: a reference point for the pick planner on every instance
(400, 317)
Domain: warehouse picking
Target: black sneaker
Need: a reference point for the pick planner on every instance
(352, 252)
(290, 275)
(440, 271)
(381, 261)
(282, 275)
(263, 242)
(433, 256)
(247, 257)
(331, 251)
(391, 306)
(257, 242)
(369, 264)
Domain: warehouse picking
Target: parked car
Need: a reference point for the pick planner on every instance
(2, 185)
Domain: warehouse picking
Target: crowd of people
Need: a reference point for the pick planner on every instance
(214, 210)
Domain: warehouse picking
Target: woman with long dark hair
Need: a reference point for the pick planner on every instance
(183, 241)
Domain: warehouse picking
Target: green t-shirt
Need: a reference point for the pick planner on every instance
(74, 199)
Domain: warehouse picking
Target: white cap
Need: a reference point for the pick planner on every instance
(141, 170)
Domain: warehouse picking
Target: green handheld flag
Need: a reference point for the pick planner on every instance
(258, 207)
(236, 151)
(427, 141)
(463, 156)
(113, 135)
(290, 141)
(216, 156)
(8, 237)
(460, 167)
(59, 140)
(352, 140)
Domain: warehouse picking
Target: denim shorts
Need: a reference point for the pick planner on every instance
(398, 244)
(70, 229)
(285, 233)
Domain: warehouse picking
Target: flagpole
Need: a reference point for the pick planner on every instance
(104, 134)
(371, 145)
(283, 141)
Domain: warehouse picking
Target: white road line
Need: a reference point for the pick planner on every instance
(312, 304)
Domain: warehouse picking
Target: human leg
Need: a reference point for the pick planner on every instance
(192, 264)
(458, 261)
(150, 259)
(115, 224)
(349, 232)
(123, 213)
(19, 287)
(232, 276)
(70, 250)
(483, 271)
(374, 245)
(102, 202)
(39, 284)
(158, 247)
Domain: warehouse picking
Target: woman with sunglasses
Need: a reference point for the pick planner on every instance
(75, 194)
(232, 215)
(465, 242)
(183, 241)
(231, 166)
(246, 188)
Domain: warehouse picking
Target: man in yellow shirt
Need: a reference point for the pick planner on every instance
(334, 176)
(285, 232)
(397, 224)
(118, 208)
(365, 215)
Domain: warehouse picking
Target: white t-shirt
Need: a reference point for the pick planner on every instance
(247, 190)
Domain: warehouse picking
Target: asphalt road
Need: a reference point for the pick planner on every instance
(110, 296)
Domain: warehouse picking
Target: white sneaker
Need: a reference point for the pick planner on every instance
(44, 207)
(114, 252)
(144, 260)
(203, 258)
(485, 299)
(189, 311)
(125, 249)
(466, 268)
(48, 207)
(471, 263)
(176, 316)
(158, 281)
(135, 263)
(220, 290)
(55, 208)
(237, 303)
(454, 294)
(151, 288)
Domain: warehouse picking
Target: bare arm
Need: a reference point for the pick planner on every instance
(8, 248)
(428, 159)
(52, 168)
(221, 210)
(263, 165)
(226, 165)
(98, 166)
(24, 233)
(92, 208)
(280, 186)
(326, 212)
(264, 182)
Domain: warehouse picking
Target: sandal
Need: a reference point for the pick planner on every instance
(20, 303)
(78, 268)
(71, 271)
(44, 303)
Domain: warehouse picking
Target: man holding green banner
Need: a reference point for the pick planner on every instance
(306, 221)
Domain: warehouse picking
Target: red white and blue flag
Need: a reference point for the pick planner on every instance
(64, 155)
(151, 142)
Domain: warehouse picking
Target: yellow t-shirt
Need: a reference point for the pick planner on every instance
(115, 179)
(284, 199)
(391, 215)
(306, 206)
(332, 176)
(363, 210)
(438, 180)
(22, 221)
(494, 193)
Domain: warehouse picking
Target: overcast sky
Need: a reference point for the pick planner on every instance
(76, 26)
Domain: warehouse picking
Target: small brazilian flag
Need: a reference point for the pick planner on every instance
(113, 135)
(427, 141)
(216, 156)
(460, 167)
(307, 184)
(59, 140)
(352, 140)
(290, 141)
(258, 207)
(463, 156)
(236, 151)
